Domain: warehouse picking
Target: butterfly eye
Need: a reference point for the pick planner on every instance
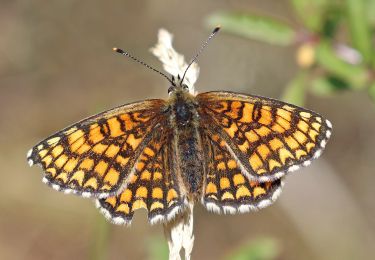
(185, 87)
(170, 89)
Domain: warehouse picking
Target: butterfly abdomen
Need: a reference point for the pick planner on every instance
(187, 143)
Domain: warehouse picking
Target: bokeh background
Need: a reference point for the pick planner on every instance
(57, 67)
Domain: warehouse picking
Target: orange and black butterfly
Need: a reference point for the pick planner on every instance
(230, 151)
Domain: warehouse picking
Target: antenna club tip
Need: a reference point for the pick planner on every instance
(118, 50)
(217, 28)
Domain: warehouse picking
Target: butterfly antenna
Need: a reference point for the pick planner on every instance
(122, 52)
(214, 32)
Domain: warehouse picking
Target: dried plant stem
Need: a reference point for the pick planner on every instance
(179, 231)
(173, 62)
(179, 234)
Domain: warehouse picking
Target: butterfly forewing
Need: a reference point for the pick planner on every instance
(227, 189)
(94, 156)
(268, 138)
(153, 186)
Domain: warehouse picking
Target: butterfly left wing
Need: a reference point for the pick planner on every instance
(153, 186)
(94, 156)
(267, 137)
(226, 188)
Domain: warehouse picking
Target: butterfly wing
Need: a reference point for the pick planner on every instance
(226, 188)
(153, 186)
(267, 137)
(94, 156)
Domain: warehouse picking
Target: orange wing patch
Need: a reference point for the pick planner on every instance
(94, 156)
(153, 186)
(227, 189)
(267, 137)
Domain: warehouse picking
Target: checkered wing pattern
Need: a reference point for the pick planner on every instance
(153, 186)
(266, 137)
(94, 156)
(227, 189)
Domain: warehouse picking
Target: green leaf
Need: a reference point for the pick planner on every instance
(295, 91)
(261, 249)
(328, 86)
(356, 75)
(359, 27)
(254, 27)
(311, 12)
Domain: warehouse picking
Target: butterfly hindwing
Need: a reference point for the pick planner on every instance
(94, 156)
(227, 189)
(268, 137)
(153, 186)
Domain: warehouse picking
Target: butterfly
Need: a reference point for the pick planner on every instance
(229, 151)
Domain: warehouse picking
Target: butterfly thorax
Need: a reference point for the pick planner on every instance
(184, 120)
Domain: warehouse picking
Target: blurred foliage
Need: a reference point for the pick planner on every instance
(334, 44)
(263, 28)
(157, 248)
(260, 249)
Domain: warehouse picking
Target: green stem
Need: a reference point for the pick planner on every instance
(100, 239)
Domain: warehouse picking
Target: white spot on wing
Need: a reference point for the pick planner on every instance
(104, 195)
(293, 168)
(156, 219)
(317, 153)
(229, 210)
(278, 175)
(86, 194)
(277, 193)
(68, 191)
(55, 187)
(264, 203)
(118, 221)
(213, 207)
(329, 124)
(246, 208)
(31, 162)
(275, 176)
(29, 152)
(97, 204)
(53, 140)
(306, 163)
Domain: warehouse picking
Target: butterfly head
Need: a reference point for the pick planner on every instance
(178, 86)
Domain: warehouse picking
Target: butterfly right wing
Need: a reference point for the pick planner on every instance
(226, 188)
(93, 157)
(154, 186)
(269, 138)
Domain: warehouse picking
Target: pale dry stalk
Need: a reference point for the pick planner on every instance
(179, 231)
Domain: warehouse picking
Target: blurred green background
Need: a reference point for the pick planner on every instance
(57, 67)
